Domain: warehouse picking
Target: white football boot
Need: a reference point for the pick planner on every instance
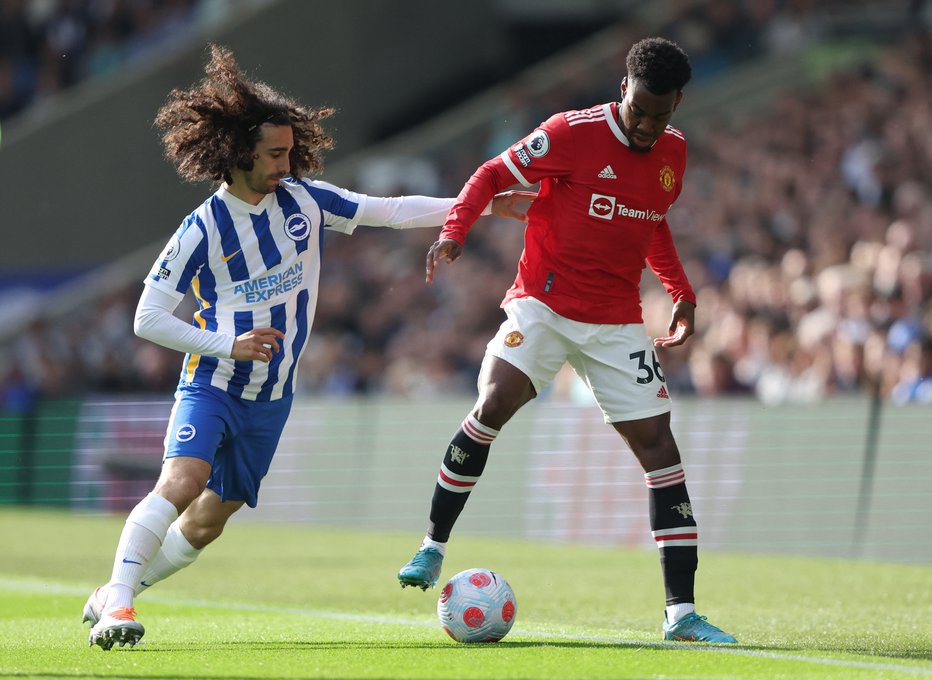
(94, 607)
(118, 626)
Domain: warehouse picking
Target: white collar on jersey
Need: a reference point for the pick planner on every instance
(230, 199)
(615, 127)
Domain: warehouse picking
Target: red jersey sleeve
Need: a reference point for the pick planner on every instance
(546, 152)
(664, 261)
(491, 177)
(549, 151)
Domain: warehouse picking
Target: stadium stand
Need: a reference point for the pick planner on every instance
(806, 227)
(48, 46)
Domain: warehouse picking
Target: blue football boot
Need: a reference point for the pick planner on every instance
(423, 570)
(694, 628)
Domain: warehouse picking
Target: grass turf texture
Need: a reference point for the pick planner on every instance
(276, 601)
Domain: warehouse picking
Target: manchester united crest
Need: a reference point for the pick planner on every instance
(667, 178)
(514, 339)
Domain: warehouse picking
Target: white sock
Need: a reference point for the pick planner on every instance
(428, 542)
(142, 535)
(677, 611)
(175, 555)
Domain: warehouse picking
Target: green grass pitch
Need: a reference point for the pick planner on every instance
(277, 601)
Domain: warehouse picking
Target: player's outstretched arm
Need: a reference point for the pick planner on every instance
(411, 212)
(504, 204)
(682, 325)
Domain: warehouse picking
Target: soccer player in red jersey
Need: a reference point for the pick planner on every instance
(608, 175)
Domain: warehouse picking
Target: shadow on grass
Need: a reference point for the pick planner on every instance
(296, 646)
(917, 654)
(311, 645)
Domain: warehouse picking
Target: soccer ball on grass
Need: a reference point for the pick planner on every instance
(477, 605)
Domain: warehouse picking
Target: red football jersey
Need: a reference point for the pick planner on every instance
(600, 214)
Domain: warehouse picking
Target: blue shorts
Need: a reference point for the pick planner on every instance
(238, 437)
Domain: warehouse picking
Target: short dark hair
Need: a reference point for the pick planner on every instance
(660, 64)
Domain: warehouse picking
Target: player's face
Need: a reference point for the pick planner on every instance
(270, 161)
(644, 115)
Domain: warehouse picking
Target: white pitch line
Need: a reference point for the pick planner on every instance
(52, 588)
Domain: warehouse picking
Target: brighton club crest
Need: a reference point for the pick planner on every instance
(298, 227)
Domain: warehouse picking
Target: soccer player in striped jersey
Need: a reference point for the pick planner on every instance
(608, 175)
(251, 255)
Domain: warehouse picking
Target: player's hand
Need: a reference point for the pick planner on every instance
(506, 204)
(444, 249)
(682, 325)
(259, 344)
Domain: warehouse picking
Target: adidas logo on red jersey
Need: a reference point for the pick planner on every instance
(607, 173)
(662, 393)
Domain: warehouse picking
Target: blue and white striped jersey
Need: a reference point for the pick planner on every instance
(254, 266)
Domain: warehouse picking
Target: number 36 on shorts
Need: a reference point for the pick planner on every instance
(647, 371)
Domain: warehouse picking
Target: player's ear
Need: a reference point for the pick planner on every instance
(679, 98)
(624, 86)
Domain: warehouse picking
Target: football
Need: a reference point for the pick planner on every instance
(477, 605)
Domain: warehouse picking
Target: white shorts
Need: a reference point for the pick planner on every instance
(616, 361)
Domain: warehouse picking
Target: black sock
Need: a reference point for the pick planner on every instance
(674, 528)
(462, 466)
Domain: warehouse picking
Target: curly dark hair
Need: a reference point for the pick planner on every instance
(214, 126)
(660, 64)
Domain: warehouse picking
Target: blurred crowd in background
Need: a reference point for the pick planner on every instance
(47, 46)
(806, 231)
